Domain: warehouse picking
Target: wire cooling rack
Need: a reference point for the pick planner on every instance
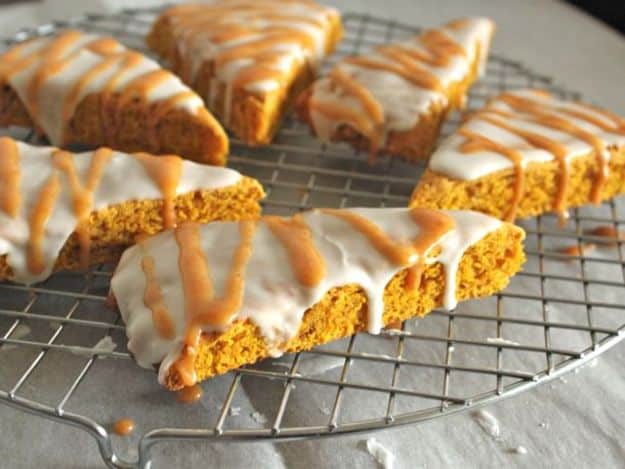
(557, 314)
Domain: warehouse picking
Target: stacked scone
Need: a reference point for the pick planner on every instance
(200, 298)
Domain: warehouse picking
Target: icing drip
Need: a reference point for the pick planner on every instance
(296, 237)
(9, 177)
(82, 196)
(52, 75)
(39, 213)
(531, 126)
(201, 306)
(254, 46)
(37, 223)
(153, 299)
(271, 271)
(166, 171)
(390, 88)
(476, 142)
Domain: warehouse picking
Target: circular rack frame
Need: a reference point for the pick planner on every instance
(558, 314)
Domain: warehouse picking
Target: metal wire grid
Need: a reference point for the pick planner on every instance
(430, 370)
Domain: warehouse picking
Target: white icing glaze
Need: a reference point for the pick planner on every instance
(193, 27)
(54, 91)
(449, 160)
(273, 298)
(402, 102)
(123, 179)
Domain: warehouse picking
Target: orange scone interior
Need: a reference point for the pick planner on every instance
(79, 88)
(231, 294)
(249, 60)
(395, 98)
(60, 210)
(526, 153)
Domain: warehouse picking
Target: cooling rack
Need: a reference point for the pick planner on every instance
(558, 314)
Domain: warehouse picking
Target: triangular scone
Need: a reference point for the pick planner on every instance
(240, 292)
(60, 210)
(395, 98)
(248, 59)
(78, 88)
(526, 153)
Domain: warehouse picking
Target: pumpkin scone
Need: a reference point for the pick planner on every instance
(78, 88)
(526, 153)
(395, 98)
(201, 300)
(249, 60)
(60, 210)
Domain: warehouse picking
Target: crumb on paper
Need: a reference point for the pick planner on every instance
(519, 450)
(105, 344)
(319, 364)
(543, 425)
(500, 341)
(488, 423)
(380, 453)
(20, 332)
(258, 417)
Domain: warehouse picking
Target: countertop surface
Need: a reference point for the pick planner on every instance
(576, 421)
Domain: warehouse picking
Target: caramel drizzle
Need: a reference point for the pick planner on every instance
(558, 150)
(294, 234)
(420, 80)
(536, 113)
(113, 55)
(10, 199)
(434, 225)
(224, 23)
(476, 143)
(166, 172)
(37, 223)
(403, 61)
(339, 113)
(123, 427)
(189, 394)
(616, 123)
(82, 195)
(155, 302)
(201, 307)
(553, 121)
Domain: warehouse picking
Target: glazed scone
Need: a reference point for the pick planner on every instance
(235, 293)
(79, 88)
(248, 60)
(60, 210)
(395, 98)
(526, 153)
